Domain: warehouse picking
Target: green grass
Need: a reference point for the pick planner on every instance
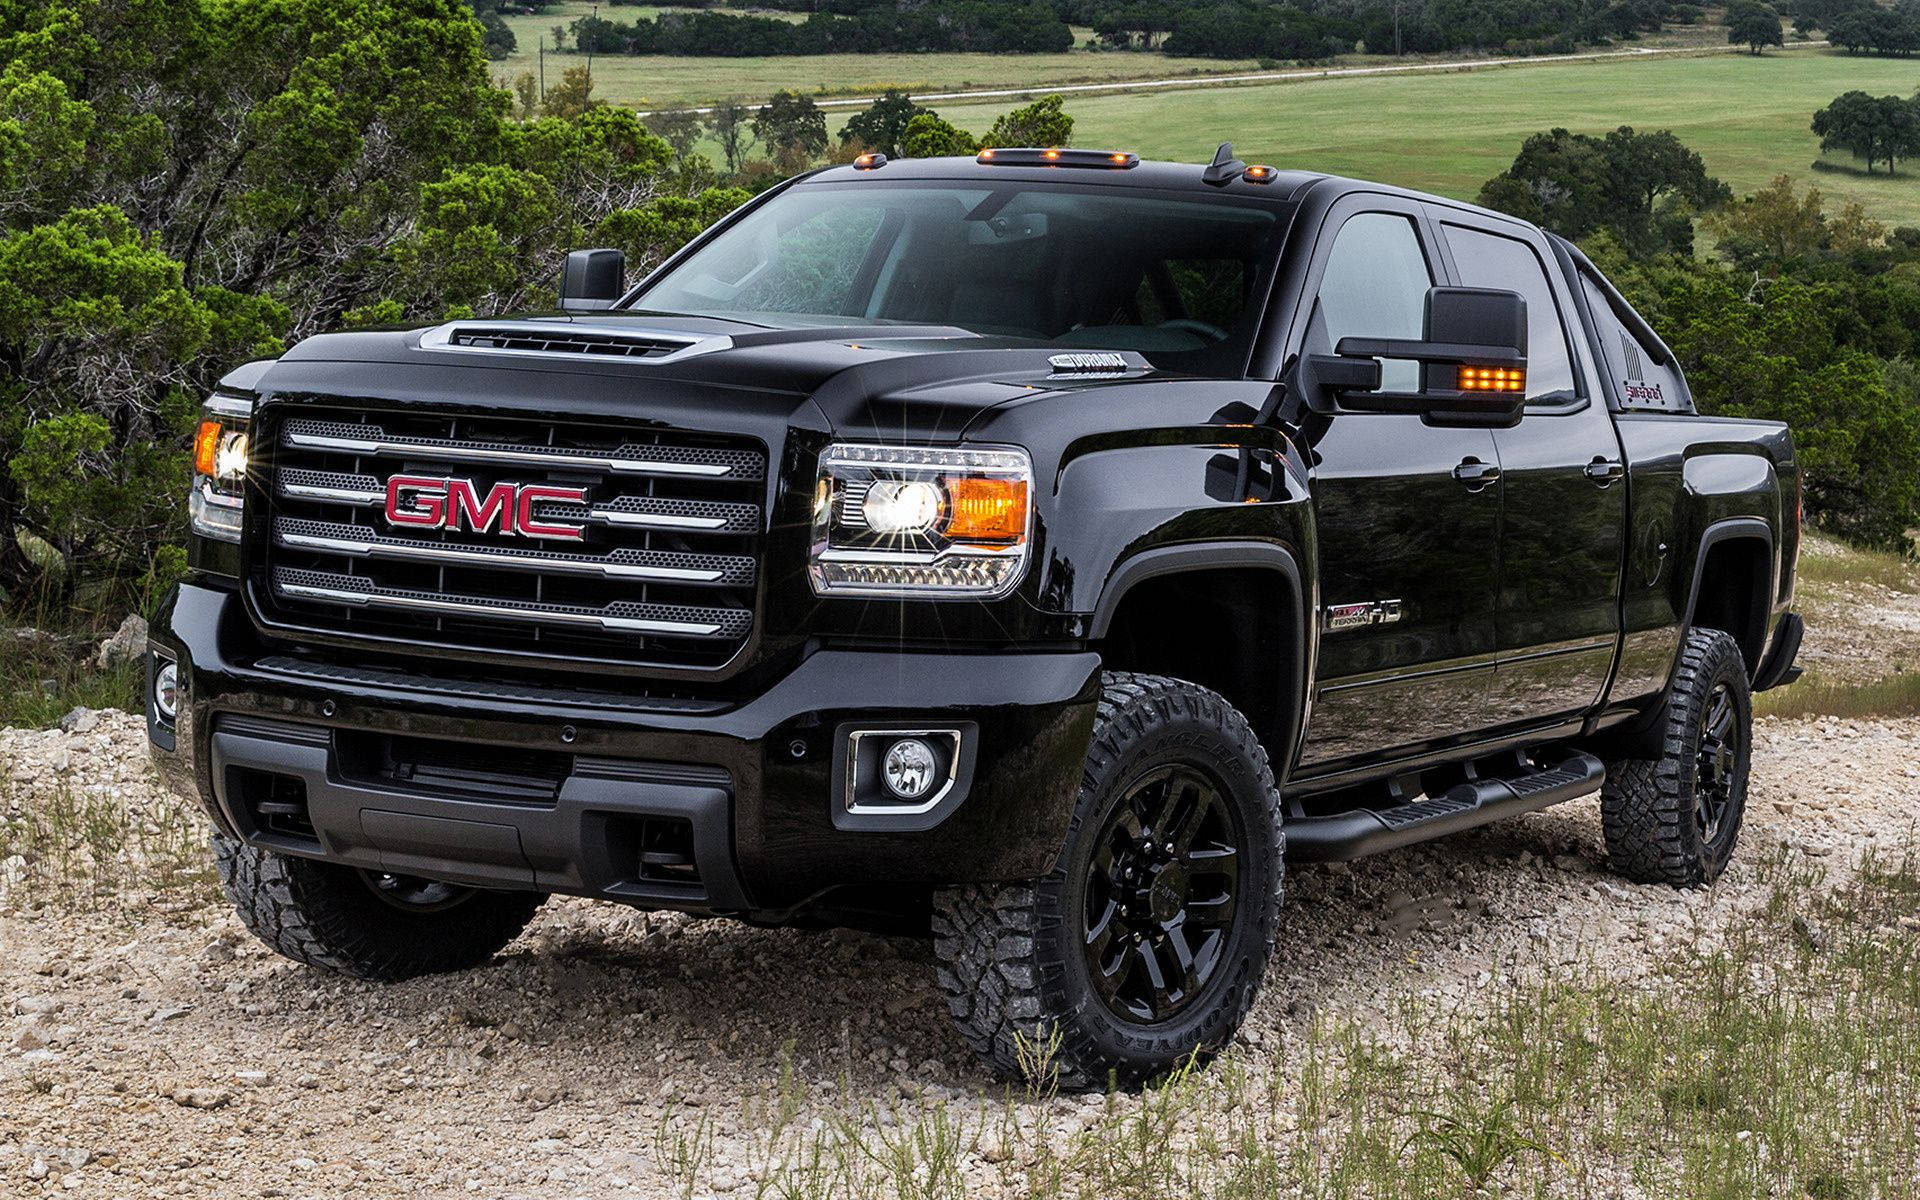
(1811, 696)
(1448, 133)
(37, 688)
(1779, 1057)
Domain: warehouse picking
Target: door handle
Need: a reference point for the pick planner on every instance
(1604, 471)
(1477, 475)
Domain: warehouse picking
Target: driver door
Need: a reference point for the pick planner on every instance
(1408, 517)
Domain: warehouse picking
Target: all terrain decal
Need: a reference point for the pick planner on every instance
(1636, 389)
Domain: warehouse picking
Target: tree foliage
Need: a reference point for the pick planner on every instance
(1645, 187)
(953, 26)
(1873, 128)
(1812, 319)
(1861, 26)
(793, 128)
(882, 125)
(1043, 123)
(186, 184)
(1755, 26)
(930, 136)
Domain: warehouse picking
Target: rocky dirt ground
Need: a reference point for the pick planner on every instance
(149, 1047)
(1862, 612)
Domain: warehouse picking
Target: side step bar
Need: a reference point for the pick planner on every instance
(1365, 831)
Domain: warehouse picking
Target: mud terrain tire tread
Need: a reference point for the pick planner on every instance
(1646, 806)
(1000, 948)
(327, 916)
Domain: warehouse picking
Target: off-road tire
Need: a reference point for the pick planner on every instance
(1648, 808)
(329, 916)
(1011, 958)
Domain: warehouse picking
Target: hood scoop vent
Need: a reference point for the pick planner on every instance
(568, 340)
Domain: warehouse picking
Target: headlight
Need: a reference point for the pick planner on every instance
(921, 521)
(220, 468)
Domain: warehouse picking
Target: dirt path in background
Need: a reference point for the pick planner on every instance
(152, 1048)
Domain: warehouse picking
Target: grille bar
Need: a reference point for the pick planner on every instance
(328, 537)
(648, 512)
(622, 616)
(370, 439)
(662, 570)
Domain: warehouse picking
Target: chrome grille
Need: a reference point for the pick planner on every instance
(663, 573)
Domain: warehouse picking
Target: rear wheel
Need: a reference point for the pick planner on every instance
(367, 924)
(1676, 819)
(1146, 942)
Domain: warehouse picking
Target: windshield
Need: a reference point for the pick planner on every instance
(1088, 268)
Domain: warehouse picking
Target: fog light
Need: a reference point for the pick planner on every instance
(909, 768)
(166, 691)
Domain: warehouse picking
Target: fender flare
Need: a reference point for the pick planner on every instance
(1725, 530)
(1211, 556)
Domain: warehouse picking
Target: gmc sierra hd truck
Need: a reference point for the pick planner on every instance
(1039, 549)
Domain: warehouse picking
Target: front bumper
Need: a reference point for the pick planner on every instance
(747, 788)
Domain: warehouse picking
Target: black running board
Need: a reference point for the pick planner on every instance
(1365, 831)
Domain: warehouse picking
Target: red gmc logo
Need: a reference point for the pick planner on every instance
(431, 502)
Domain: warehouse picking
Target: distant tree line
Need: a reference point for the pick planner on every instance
(1259, 29)
(970, 25)
(1862, 26)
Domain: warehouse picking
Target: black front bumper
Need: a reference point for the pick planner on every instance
(713, 806)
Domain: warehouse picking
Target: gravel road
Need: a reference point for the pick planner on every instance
(149, 1047)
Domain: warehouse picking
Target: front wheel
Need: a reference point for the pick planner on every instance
(366, 924)
(1675, 819)
(1145, 944)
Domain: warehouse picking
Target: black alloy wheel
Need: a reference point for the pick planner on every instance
(1141, 949)
(1160, 899)
(1718, 763)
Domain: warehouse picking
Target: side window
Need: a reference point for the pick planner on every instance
(1375, 285)
(1487, 260)
(1639, 380)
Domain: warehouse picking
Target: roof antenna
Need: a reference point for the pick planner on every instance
(1224, 168)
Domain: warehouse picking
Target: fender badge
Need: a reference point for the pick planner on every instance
(1353, 616)
(1094, 362)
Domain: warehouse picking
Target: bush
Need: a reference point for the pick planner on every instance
(321, 163)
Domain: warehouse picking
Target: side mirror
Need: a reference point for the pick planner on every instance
(593, 279)
(1473, 362)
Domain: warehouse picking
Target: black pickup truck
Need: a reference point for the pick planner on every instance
(1041, 548)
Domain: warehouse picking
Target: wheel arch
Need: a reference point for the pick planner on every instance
(1732, 584)
(1252, 587)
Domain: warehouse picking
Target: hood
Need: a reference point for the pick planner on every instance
(865, 379)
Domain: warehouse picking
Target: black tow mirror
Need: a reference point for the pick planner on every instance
(1473, 362)
(593, 279)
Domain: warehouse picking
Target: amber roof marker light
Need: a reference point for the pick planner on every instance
(1056, 156)
(868, 162)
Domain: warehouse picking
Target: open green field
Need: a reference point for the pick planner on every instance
(650, 81)
(1448, 133)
